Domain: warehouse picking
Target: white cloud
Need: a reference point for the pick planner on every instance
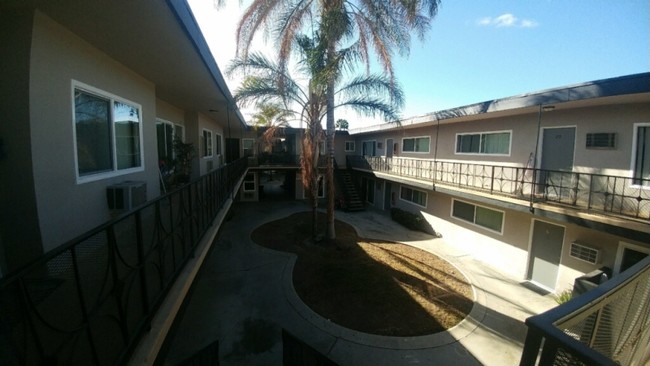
(507, 20)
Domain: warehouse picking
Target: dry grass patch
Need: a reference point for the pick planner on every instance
(367, 285)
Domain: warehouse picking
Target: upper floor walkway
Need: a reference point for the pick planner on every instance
(616, 198)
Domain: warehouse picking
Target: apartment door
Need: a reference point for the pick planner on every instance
(557, 157)
(558, 148)
(232, 150)
(387, 195)
(545, 253)
(389, 148)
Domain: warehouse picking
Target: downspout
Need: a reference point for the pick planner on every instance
(534, 179)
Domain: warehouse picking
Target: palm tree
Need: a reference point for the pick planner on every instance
(272, 118)
(342, 124)
(269, 82)
(381, 25)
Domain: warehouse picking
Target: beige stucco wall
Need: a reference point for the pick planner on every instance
(169, 112)
(67, 208)
(509, 251)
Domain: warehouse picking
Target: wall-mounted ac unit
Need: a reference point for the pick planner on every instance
(585, 253)
(126, 195)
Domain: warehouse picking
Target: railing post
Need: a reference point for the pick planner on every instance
(576, 187)
(141, 261)
(531, 347)
(492, 180)
(84, 309)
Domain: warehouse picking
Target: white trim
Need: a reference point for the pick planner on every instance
(205, 155)
(413, 138)
(252, 145)
(174, 126)
(480, 138)
(619, 253)
(112, 98)
(426, 196)
(473, 223)
(354, 144)
(254, 182)
(218, 145)
(633, 155)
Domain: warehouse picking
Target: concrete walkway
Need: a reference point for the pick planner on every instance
(244, 297)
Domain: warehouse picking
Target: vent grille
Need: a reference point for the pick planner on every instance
(585, 253)
(601, 140)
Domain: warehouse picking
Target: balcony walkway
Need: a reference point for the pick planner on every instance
(243, 298)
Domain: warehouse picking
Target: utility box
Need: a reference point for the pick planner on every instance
(126, 195)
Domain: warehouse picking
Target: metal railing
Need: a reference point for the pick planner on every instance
(593, 192)
(609, 325)
(89, 301)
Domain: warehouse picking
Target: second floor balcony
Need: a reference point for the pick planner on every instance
(618, 196)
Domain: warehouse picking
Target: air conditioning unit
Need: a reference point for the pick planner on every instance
(126, 195)
(585, 253)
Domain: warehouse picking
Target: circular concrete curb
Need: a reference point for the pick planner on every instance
(459, 331)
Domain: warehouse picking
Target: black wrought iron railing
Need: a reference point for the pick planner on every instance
(90, 301)
(609, 194)
(609, 325)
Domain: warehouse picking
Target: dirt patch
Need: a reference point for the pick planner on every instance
(372, 286)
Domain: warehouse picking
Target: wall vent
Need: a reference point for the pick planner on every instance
(585, 253)
(126, 195)
(601, 140)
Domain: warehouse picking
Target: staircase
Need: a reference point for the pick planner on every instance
(351, 197)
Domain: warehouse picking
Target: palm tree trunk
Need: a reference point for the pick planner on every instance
(330, 233)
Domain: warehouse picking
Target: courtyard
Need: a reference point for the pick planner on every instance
(244, 298)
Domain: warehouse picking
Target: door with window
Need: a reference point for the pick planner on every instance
(545, 253)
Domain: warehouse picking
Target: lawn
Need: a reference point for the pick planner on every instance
(368, 285)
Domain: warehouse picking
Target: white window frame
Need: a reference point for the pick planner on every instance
(208, 148)
(218, 145)
(354, 146)
(254, 181)
(243, 148)
(426, 196)
(633, 154)
(414, 138)
(480, 143)
(174, 125)
(114, 172)
(619, 253)
(473, 222)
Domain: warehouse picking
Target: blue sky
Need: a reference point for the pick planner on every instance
(482, 50)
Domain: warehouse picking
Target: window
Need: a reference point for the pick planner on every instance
(416, 144)
(249, 182)
(248, 145)
(641, 155)
(167, 133)
(413, 196)
(350, 146)
(218, 141)
(478, 215)
(488, 143)
(108, 134)
(207, 143)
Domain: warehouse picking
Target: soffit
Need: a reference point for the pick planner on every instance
(146, 37)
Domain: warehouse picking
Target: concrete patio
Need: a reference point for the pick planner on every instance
(244, 297)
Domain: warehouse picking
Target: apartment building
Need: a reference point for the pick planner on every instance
(547, 186)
